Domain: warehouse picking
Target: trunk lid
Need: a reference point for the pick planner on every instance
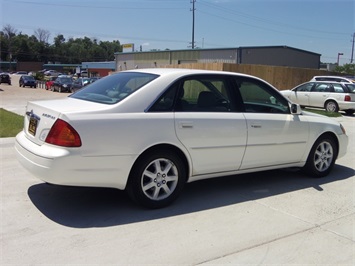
(41, 115)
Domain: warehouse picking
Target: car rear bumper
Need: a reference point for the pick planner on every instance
(346, 105)
(61, 166)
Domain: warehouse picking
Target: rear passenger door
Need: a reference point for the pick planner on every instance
(206, 122)
(319, 94)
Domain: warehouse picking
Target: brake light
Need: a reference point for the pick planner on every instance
(63, 134)
(347, 98)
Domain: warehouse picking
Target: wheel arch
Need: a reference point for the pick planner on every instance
(333, 136)
(170, 147)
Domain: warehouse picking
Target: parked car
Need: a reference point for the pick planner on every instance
(332, 78)
(21, 73)
(62, 84)
(93, 79)
(53, 73)
(27, 81)
(332, 96)
(80, 83)
(5, 78)
(50, 82)
(150, 131)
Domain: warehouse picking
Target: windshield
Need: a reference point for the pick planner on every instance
(114, 88)
(66, 80)
(351, 87)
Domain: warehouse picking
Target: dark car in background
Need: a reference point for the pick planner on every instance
(80, 83)
(5, 78)
(62, 84)
(27, 81)
(93, 79)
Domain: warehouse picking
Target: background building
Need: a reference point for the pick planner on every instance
(262, 55)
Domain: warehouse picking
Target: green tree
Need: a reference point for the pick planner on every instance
(346, 69)
(22, 47)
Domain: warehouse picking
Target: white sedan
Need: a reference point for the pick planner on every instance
(150, 131)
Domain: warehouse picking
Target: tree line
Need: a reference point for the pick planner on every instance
(16, 46)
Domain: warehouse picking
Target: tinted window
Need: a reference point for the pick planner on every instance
(351, 87)
(114, 88)
(305, 87)
(322, 87)
(258, 97)
(202, 93)
(338, 88)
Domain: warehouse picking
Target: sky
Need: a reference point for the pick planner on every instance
(325, 27)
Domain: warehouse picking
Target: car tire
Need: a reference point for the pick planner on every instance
(331, 106)
(349, 112)
(156, 179)
(322, 156)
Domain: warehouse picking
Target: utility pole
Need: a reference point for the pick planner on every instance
(352, 49)
(193, 24)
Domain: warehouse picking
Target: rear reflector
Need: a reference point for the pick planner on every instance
(347, 98)
(63, 134)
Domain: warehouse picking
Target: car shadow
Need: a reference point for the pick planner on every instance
(79, 207)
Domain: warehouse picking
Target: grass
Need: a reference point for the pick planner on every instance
(10, 123)
(323, 112)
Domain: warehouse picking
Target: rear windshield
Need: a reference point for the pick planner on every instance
(114, 88)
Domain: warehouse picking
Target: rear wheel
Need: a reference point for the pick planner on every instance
(331, 106)
(157, 179)
(322, 157)
(349, 112)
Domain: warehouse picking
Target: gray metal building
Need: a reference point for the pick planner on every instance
(258, 55)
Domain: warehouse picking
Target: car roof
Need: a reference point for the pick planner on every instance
(185, 71)
(332, 77)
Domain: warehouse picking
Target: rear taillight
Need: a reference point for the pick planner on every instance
(63, 134)
(347, 98)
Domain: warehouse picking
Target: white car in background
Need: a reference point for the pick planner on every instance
(150, 131)
(332, 96)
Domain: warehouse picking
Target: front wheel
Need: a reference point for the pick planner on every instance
(322, 157)
(157, 179)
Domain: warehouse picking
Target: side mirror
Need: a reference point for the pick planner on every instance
(295, 109)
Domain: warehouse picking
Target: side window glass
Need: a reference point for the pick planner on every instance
(201, 93)
(166, 102)
(322, 87)
(260, 98)
(305, 87)
(338, 88)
